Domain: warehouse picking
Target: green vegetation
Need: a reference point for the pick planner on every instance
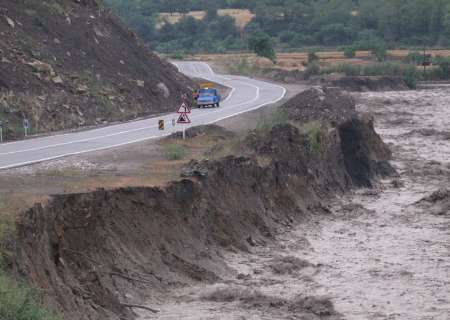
(244, 67)
(350, 52)
(266, 123)
(409, 72)
(443, 71)
(17, 302)
(174, 152)
(55, 8)
(371, 24)
(314, 132)
(312, 57)
(312, 69)
(261, 44)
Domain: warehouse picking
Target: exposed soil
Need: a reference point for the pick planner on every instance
(98, 253)
(66, 64)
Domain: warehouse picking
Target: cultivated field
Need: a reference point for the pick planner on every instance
(242, 17)
(297, 60)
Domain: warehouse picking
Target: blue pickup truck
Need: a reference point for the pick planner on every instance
(208, 97)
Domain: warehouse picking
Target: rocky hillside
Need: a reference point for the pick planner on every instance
(71, 63)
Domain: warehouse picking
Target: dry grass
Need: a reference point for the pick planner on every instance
(242, 17)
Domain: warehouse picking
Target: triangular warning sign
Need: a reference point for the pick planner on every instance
(183, 119)
(184, 108)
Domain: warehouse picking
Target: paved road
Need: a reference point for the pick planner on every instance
(246, 95)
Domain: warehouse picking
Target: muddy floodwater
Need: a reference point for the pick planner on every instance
(380, 253)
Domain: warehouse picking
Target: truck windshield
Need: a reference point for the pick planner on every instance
(207, 92)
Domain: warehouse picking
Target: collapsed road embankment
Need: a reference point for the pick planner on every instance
(96, 254)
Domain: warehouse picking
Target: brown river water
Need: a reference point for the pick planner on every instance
(377, 255)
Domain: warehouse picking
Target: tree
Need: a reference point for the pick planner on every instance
(296, 23)
(350, 52)
(261, 44)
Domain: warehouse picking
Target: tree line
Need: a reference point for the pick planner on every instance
(291, 23)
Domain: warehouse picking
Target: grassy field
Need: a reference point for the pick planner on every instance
(242, 17)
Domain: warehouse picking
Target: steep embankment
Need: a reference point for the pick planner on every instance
(96, 253)
(71, 63)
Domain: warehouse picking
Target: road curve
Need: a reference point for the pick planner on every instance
(246, 95)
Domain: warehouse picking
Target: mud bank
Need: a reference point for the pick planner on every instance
(96, 254)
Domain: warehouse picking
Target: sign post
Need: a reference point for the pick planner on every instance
(183, 119)
(1, 131)
(26, 125)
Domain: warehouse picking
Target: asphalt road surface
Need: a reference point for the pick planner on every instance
(246, 95)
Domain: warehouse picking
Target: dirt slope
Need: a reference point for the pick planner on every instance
(71, 63)
(94, 253)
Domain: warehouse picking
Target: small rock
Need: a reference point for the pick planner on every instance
(242, 276)
(397, 184)
(251, 242)
(10, 22)
(57, 41)
(81, 89)
(42, 67)
(163, 88)
(122, 62)
(98, 32)
(57, 80)
(140, 83)
(36, 54)
(5, 60)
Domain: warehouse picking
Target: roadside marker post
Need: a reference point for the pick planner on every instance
(1, 131)
(26, 125)
(161, 125)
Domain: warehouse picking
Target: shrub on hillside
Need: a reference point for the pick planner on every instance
(312, 69)
(312, 57)
(174, 152)
(443, 64)
(266, 123)
(17, 302)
